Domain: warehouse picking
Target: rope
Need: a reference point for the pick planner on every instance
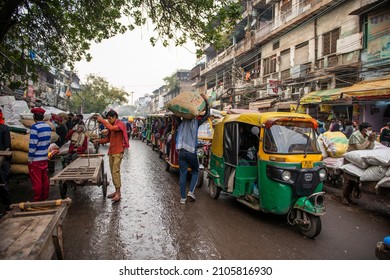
(95, 128)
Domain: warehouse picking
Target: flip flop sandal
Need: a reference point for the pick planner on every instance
(111, 195)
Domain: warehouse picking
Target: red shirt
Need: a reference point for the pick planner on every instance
(117, 138)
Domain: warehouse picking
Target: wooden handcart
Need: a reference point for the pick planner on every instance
(83, 171)
(33, 230)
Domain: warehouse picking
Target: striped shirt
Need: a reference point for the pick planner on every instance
(40, 134)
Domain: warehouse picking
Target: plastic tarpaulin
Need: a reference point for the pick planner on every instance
(322, 95)
(368, 89)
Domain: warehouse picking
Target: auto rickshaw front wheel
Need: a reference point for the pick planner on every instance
(312, 228)
(214, 190)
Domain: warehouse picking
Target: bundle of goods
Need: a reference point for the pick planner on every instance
(335, 143)
(370, 165)
(187, 105)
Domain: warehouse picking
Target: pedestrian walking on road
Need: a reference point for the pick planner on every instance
(40, 134)
(186, 142)
(117, 137)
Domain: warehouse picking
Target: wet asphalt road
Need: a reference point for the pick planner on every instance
(150, 223)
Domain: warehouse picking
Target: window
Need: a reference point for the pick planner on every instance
(301, 53)
(285, 59)
(286, 6)
(270, 65)
(275, 46)
(330, 41)
(365, 31)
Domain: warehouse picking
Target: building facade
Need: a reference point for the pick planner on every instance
(288, 50)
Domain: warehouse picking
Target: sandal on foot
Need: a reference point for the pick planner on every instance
(111, 195)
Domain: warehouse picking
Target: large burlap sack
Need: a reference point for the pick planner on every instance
(19, 169)
(19, 142)
(29, 123)
(336, 143)
(19, 157)
(187, 105)
(54, 137)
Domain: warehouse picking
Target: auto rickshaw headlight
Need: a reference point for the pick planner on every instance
(322, 174)
(286, 175)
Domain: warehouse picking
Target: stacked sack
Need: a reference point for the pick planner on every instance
(19, 148)
(370, 165)
(333, 146)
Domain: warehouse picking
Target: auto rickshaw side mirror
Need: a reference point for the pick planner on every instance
(255, 131)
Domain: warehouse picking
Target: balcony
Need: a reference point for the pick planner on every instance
(267, 31)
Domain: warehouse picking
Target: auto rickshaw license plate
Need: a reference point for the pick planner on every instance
(307, 164)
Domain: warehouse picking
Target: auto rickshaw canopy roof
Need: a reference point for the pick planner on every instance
(256, 119)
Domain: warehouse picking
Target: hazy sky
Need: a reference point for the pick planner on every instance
(129, 61)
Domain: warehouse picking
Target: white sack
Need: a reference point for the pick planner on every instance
(355, 157)
(384, 183)
(352, 169)
(378, 157)
(373, 174)
(334, 163)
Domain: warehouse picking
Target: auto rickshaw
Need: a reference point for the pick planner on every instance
(270, 162)
(205, 135)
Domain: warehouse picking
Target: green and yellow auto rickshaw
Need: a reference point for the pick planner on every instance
(270, 162)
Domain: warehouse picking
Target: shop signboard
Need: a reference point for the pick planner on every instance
(378, 36)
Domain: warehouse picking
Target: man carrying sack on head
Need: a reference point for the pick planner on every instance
(40, 134)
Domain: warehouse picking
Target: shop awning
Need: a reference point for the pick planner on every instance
(368, 89)
(264, 104)
(320, 96)
(284, 105)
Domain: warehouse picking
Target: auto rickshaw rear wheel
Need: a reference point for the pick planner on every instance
(313, 228)
(214, 190)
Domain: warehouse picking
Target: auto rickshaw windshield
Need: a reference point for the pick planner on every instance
(291, 138)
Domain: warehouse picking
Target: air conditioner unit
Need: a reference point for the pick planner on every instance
(237, 98)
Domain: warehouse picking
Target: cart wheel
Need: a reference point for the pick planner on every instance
(63, 189)
(313, 228)
(214, 190)
(105, 185)
(167, 166)
(199, 183)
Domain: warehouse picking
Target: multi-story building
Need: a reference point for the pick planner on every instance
(283, 50)
(181, 82)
